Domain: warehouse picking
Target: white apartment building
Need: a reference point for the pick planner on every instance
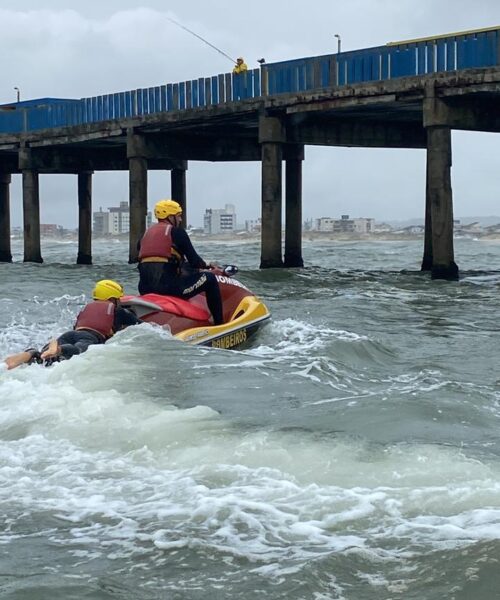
(219, 220)
(101, 222)
(253, 225)
(119, 219)
(114, 221)
(345, 225)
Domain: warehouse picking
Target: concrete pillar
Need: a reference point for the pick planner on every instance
(137, 151)
(271, 136)
(427, 259)
(441, 201)
(178, 188)
(138, 191)
(31, 217)
(438, 248)
(5, 252)
(84, 219)
(293, 206)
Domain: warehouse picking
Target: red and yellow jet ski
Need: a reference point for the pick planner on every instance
(191, 321)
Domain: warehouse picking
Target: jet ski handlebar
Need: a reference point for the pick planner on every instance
(227, 270)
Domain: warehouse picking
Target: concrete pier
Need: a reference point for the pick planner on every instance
(31, 217)
(427, 259)
(440, 194)
(293, 206)
(84, 219)
(138, 191)
(5, 250)
(178, 189)
(410, 111)
(271, 136)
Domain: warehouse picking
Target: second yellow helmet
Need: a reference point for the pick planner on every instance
(106, 289)
(167, 208)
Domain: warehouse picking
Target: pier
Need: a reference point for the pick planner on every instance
(410, 94)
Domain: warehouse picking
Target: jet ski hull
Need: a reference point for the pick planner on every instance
(190, 321)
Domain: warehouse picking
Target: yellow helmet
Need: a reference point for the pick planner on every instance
(106, 289)
(167, 208)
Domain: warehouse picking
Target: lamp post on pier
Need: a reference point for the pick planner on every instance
(339, 42)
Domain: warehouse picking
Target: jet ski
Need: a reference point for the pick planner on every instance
(190, 320)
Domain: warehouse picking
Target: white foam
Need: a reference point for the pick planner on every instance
(126, 472)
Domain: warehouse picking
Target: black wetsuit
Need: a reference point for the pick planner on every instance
(169, 279)
(77, 341)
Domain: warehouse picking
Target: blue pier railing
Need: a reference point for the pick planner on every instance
(451, 52)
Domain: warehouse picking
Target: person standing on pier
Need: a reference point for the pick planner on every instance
(240, 66)
(239, 78)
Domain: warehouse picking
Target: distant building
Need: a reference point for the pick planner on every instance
(381, 228)
(471, 229)
(253, 225)
(119, 219)
(101, 222)
(51, 230)
(411, 229)
(115, 221)
(344, 225)
(219, 220)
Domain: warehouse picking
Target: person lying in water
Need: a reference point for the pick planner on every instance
(95, 324)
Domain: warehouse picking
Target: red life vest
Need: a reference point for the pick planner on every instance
(157, 242)
(97, 316)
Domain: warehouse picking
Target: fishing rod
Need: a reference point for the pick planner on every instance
(202, 39)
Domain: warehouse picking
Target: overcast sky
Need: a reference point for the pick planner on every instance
(73, 50)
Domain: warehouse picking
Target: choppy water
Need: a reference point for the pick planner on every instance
(351, 453)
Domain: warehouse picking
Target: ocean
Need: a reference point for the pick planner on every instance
(351, 452)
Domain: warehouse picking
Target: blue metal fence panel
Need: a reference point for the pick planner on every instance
(157, 99)
(421, 59)
(11, 121)
(140, 108)
(271, 84)
(256, 83)
(163, 97)
(170, 96)
(151, 100)
(201, 92)
(194, 92)
(324, 73)
(214, 89)
(465, 56)
(403, 61)
(72, 114)
(175, 96)
(93, 109)
(451, 54)
(117, 113)
(60, 120)
(441, 55)
(127, 104)
(491, 48)
(431, 58)
(105, 107)
(36, 118)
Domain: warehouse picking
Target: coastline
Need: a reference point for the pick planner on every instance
(308, 236)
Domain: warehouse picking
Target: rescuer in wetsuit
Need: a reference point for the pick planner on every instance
(163, 249)
(96, 323)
